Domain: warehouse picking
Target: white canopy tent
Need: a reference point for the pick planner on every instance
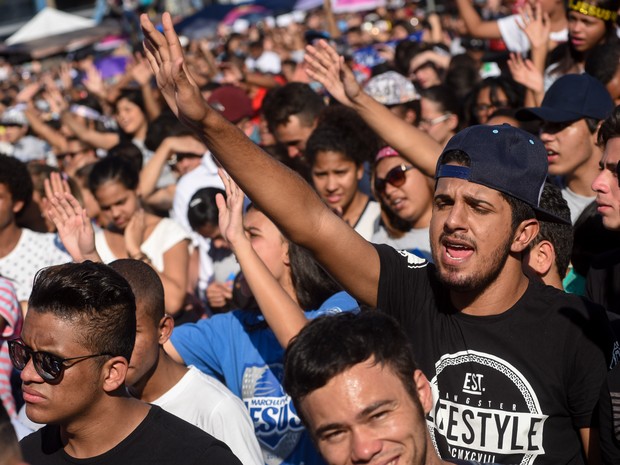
(49, 22)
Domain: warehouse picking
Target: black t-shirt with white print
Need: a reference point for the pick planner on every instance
(509, 388)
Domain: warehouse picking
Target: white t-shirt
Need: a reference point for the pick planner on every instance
(415, 240)
(367, 223)
(204, 175)
(206, 403)
(32, 252)
(167, 234)
(576, 203)
(516, 40)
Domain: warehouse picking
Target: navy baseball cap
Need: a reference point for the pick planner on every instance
(570, 98)
(503, 158)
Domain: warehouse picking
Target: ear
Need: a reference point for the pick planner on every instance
(18, 206)
(360, 172)
(285, 252)
(542, 257)
(114, 373)
(424, 390)
(166, 325)
(410, 116)
(453, 122)
(525, 233)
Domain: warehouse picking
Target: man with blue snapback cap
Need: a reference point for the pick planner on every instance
(571, 113)
(514, 367)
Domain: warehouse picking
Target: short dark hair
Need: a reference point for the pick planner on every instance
(291, 99)
(14, 175)
(145, 285)
(343, 131)
(332, 344)
(559, 234)
(519, 210)
(610, 128)
(95, 298)
(202, 208)
(602, 61)
(113, 168)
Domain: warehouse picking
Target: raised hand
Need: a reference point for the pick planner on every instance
(524, 72)
(536, 25)
(323, 64)
(231, 212)
(73, 225)
(165, 55)
(141, 71)
(94, 82)
(134, 233)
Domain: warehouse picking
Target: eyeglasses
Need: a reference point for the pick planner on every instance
(484, 107)
(434, 121)
(49, 366)
(396, 177)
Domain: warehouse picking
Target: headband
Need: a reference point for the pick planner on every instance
(588, 9)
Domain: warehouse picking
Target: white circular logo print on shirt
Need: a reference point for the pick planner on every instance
(473, 423)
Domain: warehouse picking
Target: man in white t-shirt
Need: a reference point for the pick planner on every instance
(22, 252)
(185, 392)
(509, 29)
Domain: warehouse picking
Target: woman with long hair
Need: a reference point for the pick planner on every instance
(244, 348)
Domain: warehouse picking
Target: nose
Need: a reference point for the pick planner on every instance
(115, 211)
(456, 219)
(600, 183)
(29, 374)
(364, 445)
(331, 184)
(293, 151)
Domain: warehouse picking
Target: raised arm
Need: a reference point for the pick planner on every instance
(279, 192)
(476, 26)
(74, 227)
(284, 316)
(328, 68)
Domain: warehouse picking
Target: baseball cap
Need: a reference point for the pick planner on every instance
(232, 102)
(13, 116)
(391, 88)
(570, 98)
(503, 158)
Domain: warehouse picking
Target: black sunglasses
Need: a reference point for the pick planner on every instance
(396, 177)
(49, 366)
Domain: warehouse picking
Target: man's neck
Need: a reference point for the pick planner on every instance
(499, 296)
(9, 237)
(103, 427)
(166, 375)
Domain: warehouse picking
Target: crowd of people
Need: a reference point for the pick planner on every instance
(369, 237)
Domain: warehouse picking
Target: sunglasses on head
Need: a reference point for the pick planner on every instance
(49, 366)
(396, 177)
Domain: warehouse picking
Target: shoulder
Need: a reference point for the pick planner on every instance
(389, 255)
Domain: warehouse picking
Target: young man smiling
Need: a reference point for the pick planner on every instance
(514, 378)
(356, 386)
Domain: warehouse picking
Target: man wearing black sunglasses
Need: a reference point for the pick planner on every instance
(514, 378)
(76, 341)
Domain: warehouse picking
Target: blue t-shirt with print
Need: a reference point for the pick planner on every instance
(240, 350)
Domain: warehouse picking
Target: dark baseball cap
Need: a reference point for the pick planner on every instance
(232, 102)
(503, 158)
(570, 98)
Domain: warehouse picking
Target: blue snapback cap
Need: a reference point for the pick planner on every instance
(503, 158)
(570, 98)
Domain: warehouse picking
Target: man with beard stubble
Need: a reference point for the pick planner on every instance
(513, 368)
